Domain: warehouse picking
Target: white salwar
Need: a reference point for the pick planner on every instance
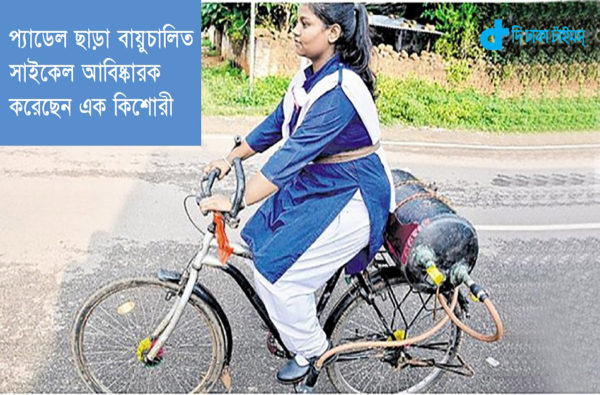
(290, 301)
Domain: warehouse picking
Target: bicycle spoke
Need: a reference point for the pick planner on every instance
(108, 351)
(353, 356)
(189, 325)
(356, 373)
(364, 327)
(176, 380)
(108, 315)
(366, 376)
(112, 341)
(442, 346)
(423, 307)
(117, 379)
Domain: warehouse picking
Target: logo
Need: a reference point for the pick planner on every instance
(497, 32)
(530, 36)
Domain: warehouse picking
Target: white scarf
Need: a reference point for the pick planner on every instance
(358, 94)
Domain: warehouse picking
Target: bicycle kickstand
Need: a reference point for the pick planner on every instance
(307, 386)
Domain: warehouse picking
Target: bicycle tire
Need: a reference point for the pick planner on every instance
(176, 354)
(342, 376)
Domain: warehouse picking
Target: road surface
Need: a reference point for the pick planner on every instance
(75, 218)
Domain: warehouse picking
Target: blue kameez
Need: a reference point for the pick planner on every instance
(311, 195)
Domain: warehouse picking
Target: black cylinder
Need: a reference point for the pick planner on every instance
(422, 219)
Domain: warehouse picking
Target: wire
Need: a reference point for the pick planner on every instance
(188, 213)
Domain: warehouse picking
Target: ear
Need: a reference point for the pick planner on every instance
(335, 31)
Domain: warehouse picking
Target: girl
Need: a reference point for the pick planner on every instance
(328, 186)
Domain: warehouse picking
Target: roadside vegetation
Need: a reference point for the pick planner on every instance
(456, 84)
(412, 102)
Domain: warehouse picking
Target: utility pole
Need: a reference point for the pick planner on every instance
(252, 46)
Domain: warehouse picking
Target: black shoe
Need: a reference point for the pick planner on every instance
(291, 372)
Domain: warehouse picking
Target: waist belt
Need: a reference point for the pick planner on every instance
(347, 156)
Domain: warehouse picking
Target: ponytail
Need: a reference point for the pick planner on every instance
(357, 53)
(354, 45)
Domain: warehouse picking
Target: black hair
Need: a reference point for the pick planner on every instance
(354, 44)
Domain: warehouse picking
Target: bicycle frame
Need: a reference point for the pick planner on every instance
(204, 258)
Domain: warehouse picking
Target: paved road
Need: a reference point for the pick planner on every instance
(73, 219)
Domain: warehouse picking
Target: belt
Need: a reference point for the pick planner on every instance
(347, 156)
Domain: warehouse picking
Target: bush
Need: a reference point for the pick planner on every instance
(460, 24)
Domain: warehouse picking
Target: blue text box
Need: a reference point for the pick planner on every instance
(180, 74)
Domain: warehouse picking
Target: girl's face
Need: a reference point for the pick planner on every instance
(312, 39)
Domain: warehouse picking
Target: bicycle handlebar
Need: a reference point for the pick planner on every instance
(207, 181)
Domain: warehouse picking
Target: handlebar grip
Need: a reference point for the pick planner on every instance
(210, 180)
(240, 187)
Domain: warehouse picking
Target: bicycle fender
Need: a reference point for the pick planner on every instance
(205, 295)
(350, 295)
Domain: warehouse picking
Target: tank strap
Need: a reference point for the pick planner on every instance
(347, 156)
(412, 182)
(425, 195)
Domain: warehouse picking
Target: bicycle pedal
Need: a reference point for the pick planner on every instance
(273, 346)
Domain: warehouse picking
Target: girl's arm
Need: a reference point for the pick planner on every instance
(243, 151)
(257, 188)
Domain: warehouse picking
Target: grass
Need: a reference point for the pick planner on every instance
(225, 91)
(413, 102)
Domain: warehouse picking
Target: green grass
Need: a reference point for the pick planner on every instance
(225, 91)
(419, 103)
(413, 102)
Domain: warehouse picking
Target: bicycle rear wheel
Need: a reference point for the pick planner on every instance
(109, 332)
(406, 369)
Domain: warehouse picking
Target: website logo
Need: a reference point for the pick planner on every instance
(530, 36)
(497, 32)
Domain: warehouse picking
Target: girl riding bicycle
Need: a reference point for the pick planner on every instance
(327, 189)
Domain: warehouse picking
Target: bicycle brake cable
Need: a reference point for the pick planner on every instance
(188, 213)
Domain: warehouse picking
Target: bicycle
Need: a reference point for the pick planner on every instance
(170, 334)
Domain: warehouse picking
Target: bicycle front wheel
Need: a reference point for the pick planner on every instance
(112, 331)
(406, 313)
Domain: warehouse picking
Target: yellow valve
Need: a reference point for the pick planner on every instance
(474, 298)
(435, 275)
(399, 334)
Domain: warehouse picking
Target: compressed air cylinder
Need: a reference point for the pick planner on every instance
(423, 227)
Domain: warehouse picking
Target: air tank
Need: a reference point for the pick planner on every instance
(424, 229)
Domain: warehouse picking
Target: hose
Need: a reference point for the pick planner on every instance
(387, 344)
(479, 336)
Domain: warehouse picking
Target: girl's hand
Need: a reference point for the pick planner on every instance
(221, 164)
(215, 203)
